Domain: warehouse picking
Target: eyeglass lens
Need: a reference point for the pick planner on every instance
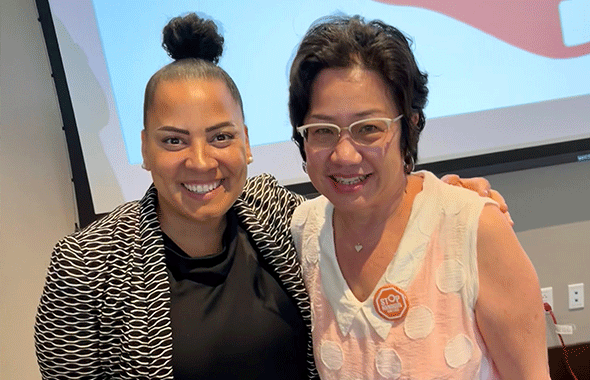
(363, 132)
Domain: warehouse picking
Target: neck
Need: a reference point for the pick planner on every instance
(362, 230)
(195, 238)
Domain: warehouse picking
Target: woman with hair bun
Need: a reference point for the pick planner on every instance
(199, 279)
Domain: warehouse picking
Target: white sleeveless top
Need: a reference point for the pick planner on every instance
(435, 265)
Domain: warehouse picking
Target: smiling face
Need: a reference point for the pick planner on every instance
(196, 147)
(355, 177)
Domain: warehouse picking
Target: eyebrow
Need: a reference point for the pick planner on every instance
(328, 118)
(168, 128)
(224, 124)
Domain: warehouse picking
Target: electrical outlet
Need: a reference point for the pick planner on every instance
(547, 294)
(576, 296)
(564, 329)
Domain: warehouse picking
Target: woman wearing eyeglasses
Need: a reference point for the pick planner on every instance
(409, 278)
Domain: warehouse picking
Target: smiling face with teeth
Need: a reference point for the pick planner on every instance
(196, 147)
(355, 177)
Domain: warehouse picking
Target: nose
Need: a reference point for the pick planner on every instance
(345, 152)
(200, 157)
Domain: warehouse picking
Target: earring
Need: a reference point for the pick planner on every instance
(304, 166)
(250, 160)
(408, 167)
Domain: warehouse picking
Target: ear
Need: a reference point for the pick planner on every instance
(247, 142)
(144, 154)
(415, 119)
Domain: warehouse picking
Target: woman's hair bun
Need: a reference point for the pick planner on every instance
(191, 36)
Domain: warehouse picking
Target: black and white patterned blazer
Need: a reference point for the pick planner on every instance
(105, 308)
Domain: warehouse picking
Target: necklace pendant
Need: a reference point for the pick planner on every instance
(358, 247)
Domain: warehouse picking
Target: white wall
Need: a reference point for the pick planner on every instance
(551, 208)
(550, 205)
(36, 199)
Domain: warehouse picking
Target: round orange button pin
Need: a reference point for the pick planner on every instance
(391, 303)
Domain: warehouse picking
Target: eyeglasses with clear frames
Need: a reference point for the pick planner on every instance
(364, 132)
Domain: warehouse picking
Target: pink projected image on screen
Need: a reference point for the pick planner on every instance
(532, 25)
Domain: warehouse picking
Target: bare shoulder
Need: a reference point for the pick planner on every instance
(498, 248)
(492, 223)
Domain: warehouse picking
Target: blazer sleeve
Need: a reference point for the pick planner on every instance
(270, 201)
(66, 327)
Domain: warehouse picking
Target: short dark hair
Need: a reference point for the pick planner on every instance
(348, 41)
(196, 46)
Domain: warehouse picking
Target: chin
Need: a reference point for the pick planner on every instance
(207, 215)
